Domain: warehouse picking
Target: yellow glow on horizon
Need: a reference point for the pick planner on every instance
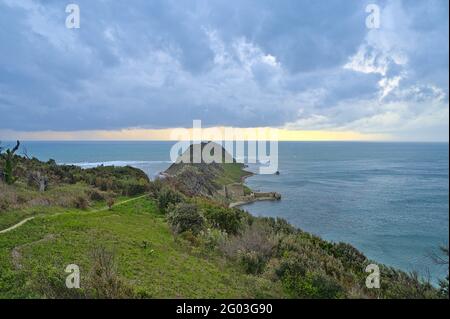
(211, 133)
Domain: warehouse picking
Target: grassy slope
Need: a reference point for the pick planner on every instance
(44, 201)
(223, 174)
(232, 173)
(149, 257)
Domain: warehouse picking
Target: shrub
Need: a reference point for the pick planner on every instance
(168, 196)
(210, 239)
(226, 219)
(252, 262)
(96, 195)
(443, 284)
(105, 184)
(4, 204)
(189, 236)
(133, 188)
(81, 202)
(301, 284)
(155, 187)
(186, 217)
(8, 197)
(349, 255)
(103, 281)
(400, 285)
(279, 225)
(304, 250)
(110, 202)
(253, 248)
(49, 282)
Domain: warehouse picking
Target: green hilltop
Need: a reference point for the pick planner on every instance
(222, 182)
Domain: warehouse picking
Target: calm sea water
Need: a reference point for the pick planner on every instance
(390, 200)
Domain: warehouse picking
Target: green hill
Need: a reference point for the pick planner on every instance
(222, 181)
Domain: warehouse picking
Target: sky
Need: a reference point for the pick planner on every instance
(137, 69)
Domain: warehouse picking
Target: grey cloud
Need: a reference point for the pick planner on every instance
(250, 63)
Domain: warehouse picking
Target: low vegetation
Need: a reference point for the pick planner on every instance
(66, 187)
(167, 244)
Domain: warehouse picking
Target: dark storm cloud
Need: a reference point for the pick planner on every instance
(299, 64)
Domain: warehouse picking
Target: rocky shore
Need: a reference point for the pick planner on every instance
(254, 196)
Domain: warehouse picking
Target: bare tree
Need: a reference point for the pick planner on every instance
(36, 177)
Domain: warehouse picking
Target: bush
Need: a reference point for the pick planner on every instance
(8, 197)
(212, 238)
(189, 236)
(49, 282)
(252, 262)
(349, 255)
(133, 188)
(96, 195)
(400, 285)
(4, 204)
(279, 225)
(168, 196)
(81, 202)
(443, 284)
(302, 249)
(226, 219)
(301, 280)
(155, 187)
(110, 202)
(186, 217)
(105, 184)
(103, 281)
(253, 248)
(311, 285)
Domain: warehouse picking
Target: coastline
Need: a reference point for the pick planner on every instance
(239, 195)
(254, 196)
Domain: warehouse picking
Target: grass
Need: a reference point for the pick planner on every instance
(130, 251)
(24, 202)
(232, 173)
(149, 257)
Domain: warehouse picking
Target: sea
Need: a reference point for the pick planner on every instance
(389, 200)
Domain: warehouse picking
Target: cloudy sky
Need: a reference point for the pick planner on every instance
(299, 65)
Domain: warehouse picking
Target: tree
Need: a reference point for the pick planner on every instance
(9, 164)
(38, 179)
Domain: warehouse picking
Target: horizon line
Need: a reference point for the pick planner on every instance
(242, 140)
(214, 133)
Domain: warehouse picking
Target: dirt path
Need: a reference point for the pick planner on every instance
(92, 211)
(16, 225)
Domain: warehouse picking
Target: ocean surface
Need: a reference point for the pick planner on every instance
(389, 200)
